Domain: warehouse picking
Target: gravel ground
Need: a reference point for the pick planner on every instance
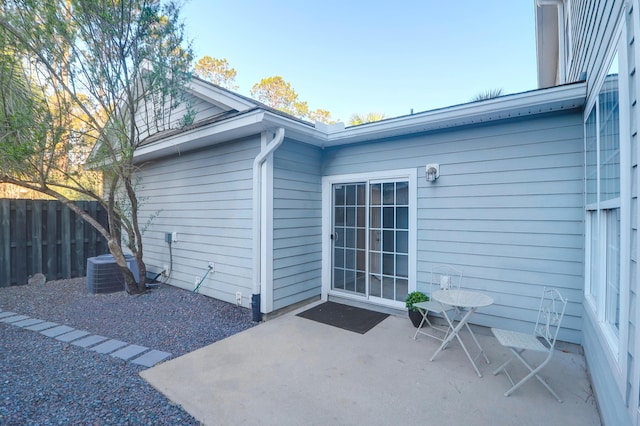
(46, 382)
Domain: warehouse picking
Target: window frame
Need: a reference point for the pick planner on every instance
(409, 175)
(614, 342)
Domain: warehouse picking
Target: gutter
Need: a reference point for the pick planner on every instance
(558, 98)
(258, 162)
(256, 120)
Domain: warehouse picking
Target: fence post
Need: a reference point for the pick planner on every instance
(78, 252)
(91, 233)
(65, 240)
(5, 243)
(51, 239)
(20, 242)
(36, 237)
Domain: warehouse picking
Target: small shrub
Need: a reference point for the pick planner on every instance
(415, 297)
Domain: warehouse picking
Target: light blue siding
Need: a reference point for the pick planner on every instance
(593, 24)
(594, 29)
(297, 210)
(201, 109)
(507, 210)
(610, 402)
(206, 197)
(634, 328)
(632, 359)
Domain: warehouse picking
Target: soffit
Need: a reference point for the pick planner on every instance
(527, 104)
(253, 121)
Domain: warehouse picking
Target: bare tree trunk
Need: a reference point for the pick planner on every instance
(131, 283)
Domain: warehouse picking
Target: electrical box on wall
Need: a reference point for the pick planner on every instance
(167, 237)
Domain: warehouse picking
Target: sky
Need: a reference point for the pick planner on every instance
(390, 57)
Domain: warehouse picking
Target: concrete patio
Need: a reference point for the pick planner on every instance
(294, 371)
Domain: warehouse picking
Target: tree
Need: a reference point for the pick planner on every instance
(357, 119)
(321, 115)
(277, 93)
(89, 79)
(488, 94)
(217, 71)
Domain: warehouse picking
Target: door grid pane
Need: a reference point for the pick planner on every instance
(349, 237)
(389, 258)
(371, 239)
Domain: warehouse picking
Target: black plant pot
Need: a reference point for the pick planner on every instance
(416, 317)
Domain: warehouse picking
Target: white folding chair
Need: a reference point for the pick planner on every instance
(443, 277)
(543, 339)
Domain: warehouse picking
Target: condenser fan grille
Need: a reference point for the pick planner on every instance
(104, 274)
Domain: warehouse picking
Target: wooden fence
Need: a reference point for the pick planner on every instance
(41, 236)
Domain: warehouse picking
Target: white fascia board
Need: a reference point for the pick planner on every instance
(223, 98)
(560, 98)
(236, 127)
(298, 130)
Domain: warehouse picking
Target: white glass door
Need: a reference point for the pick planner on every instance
(389, 240)
(349, 238)
(370, 239)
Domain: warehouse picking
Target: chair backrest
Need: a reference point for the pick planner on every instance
(550, 314)
(445, 277)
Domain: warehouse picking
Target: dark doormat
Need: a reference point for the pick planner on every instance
(344, 316)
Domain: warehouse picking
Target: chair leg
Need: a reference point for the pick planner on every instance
(532, 372)
(424, 317)
(503, 367)
(438, 328)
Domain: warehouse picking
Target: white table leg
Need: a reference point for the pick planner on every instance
(477, 344)
(454, 333)
(449, 337)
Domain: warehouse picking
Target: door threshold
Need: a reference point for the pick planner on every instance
(366, 305)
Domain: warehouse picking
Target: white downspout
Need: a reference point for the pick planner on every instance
(257, 214)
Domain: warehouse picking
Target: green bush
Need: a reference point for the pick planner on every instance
(415, 297)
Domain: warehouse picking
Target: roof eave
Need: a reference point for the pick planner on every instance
(236, 127)
(559, 98)
(554, 99)
(218, 95)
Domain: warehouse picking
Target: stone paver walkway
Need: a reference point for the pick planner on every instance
(135, 354)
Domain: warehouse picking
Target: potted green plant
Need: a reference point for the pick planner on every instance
(414, 314)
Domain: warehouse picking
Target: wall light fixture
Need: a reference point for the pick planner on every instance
(433, 172)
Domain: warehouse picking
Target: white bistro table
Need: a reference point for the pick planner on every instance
(463, 300)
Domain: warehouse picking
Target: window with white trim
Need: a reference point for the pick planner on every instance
(602, 187)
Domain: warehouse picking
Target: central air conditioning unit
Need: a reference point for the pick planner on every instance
(104, 274)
